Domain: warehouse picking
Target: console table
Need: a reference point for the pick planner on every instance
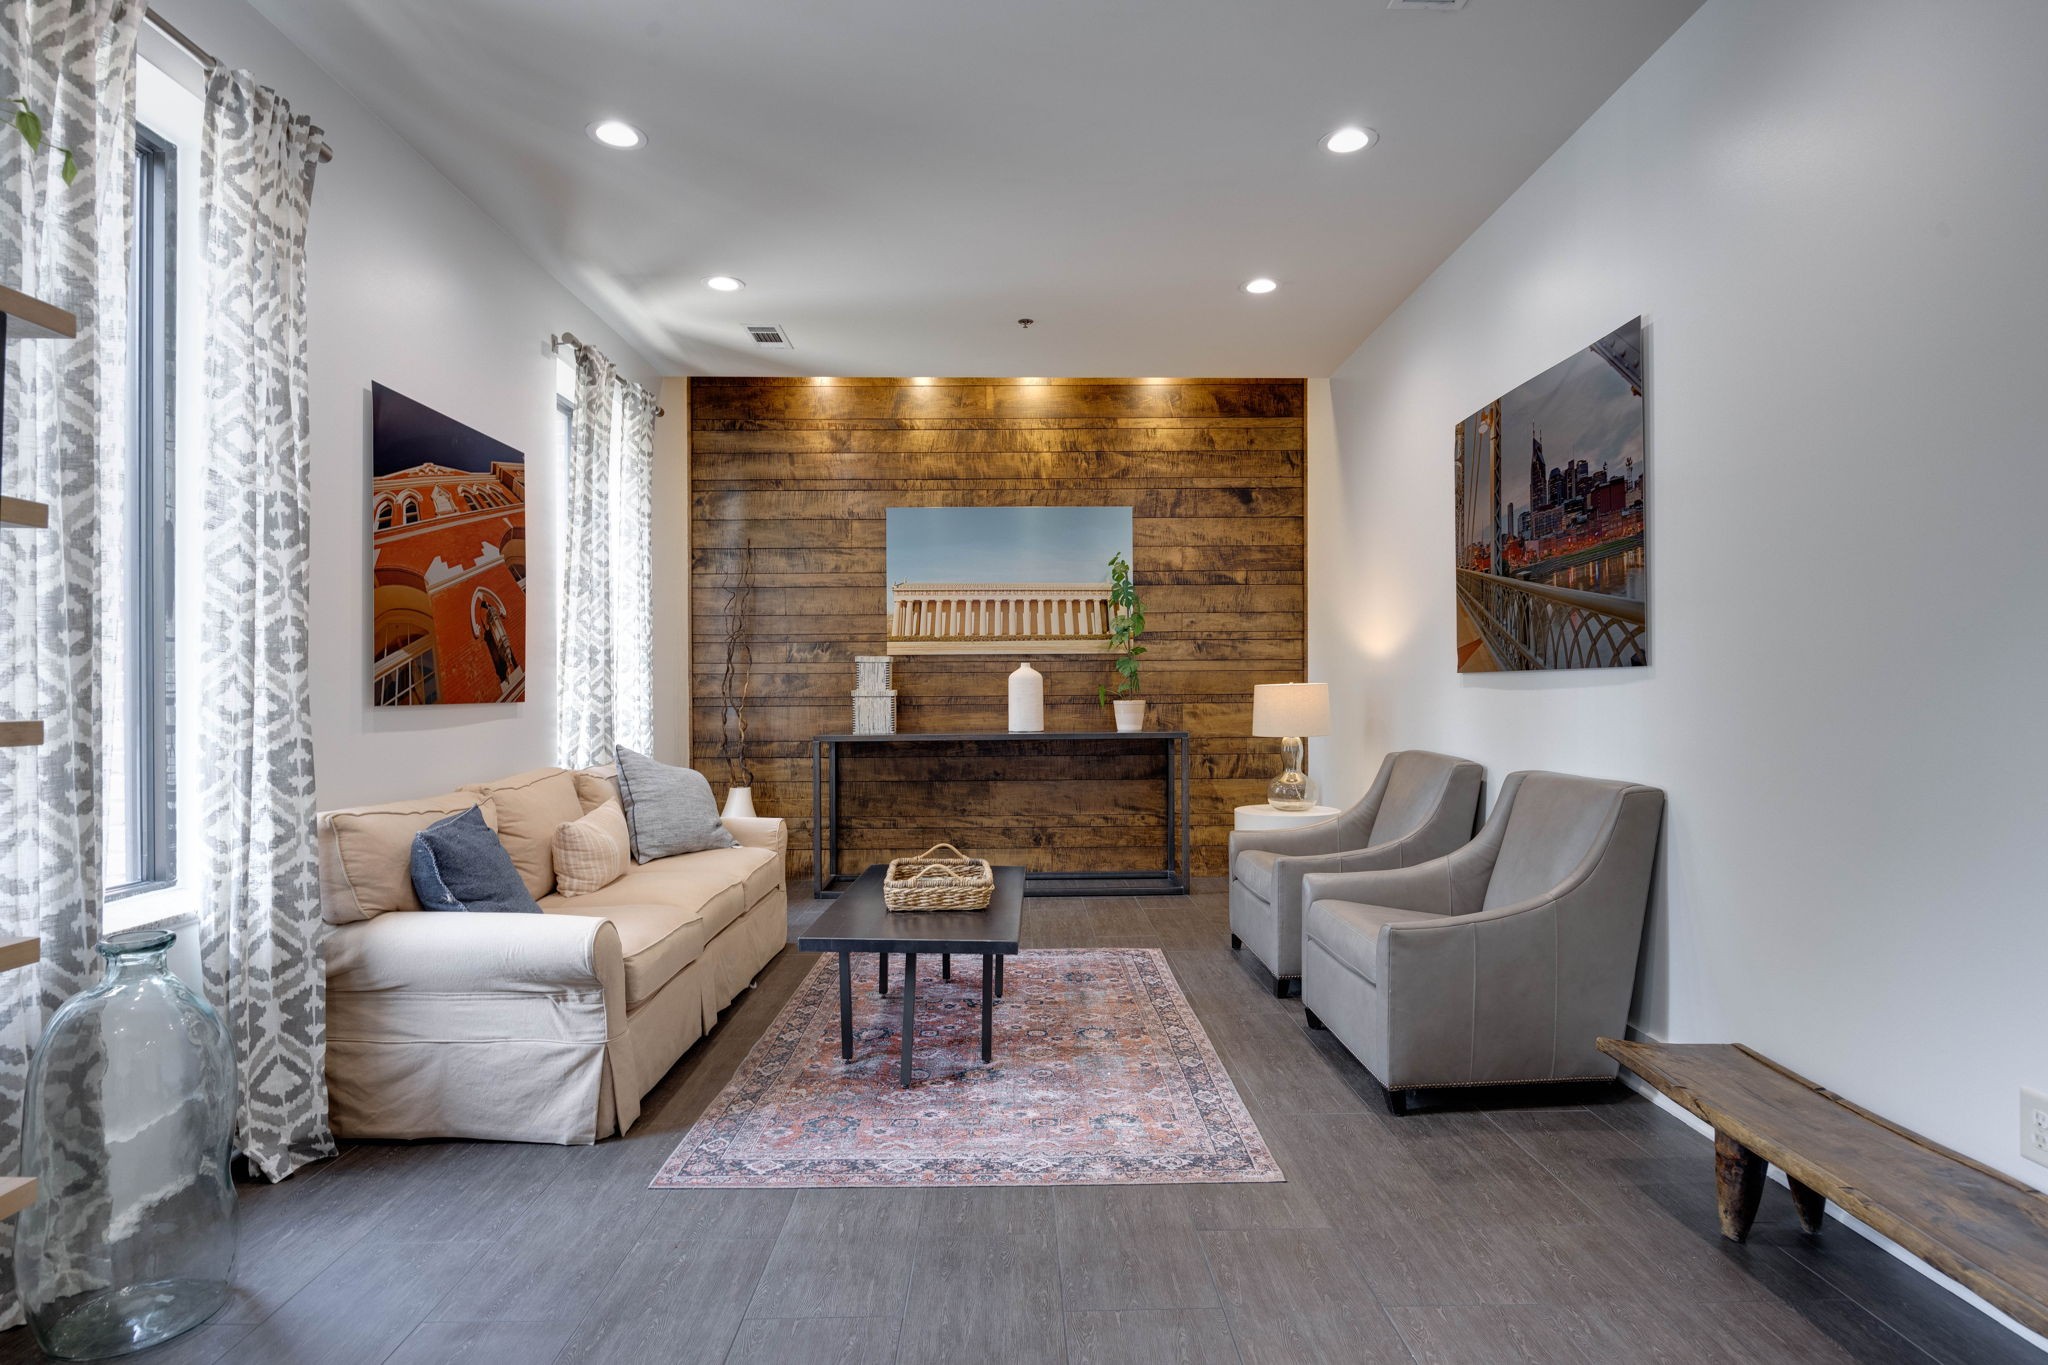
(1173, 877)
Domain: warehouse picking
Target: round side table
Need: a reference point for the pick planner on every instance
(1263, 816)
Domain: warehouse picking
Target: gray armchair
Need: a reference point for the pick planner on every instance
(1421, 805)
(1500, 963)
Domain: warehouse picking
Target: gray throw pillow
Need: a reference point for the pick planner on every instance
(459, 864)
(669, 810)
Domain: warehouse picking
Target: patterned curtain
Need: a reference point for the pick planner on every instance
(260, 907)
(63, 443)
(605, 681)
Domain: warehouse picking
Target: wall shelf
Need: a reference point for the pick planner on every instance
(19, 952)
(30, 319)
(17, 1192)
(20, 734)
(22, 512)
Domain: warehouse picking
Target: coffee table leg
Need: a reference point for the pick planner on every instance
(945, 966)
(999, 976)
(909, 1010)
(988, 1007)
(882, 975)
(846, 1007)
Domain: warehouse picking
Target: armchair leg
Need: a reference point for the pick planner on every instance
(1399, 1103)
(1280, 985)
(1313, 1022)
(1235, 943)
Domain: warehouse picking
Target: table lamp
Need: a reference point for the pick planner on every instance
(1288, 712)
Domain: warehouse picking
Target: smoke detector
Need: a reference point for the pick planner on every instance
(768, 334)
(1426, 4)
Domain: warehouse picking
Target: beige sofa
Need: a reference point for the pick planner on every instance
(533, 1028)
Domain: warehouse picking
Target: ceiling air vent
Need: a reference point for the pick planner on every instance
(768, 334)
(1426, 4)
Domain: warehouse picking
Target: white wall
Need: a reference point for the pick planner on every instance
(412, 286)
(1832, 216)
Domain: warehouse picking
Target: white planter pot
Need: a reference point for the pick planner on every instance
(739, 803)
(1130, 715)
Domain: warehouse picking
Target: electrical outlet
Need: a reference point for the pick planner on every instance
(2034, 1125)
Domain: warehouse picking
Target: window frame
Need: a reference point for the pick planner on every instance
(150, 525)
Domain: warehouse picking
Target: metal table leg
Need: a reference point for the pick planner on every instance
(846, 1007)
(999, 976)
(945, 966)
(882, 976)
(909, 1011)
(988, 1006)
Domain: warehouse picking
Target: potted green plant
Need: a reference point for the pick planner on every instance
(1126, 623)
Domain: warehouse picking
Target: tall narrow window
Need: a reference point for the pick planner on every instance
(141, 845)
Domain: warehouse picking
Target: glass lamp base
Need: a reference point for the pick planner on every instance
(1290, 791)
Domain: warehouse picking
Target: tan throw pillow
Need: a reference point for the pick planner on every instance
(531, 807)
(591, 853)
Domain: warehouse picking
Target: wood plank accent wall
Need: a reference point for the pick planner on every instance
(805, 470)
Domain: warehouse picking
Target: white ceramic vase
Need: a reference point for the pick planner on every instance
(739, 803)
(1130, 715)
(1027, 700)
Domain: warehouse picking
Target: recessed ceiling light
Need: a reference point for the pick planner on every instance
(617, 133)
(1261, 285)
(1350, 138)
(725, 284)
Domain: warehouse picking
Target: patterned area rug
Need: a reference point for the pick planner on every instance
(1102, 1076)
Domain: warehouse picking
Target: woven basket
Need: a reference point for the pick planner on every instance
(929, 883)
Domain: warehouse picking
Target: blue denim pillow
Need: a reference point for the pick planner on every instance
(458, 864)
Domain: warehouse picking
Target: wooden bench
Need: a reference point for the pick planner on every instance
(1976, 1225)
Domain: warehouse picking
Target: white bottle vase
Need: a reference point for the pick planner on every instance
(739, 802)
(1130, 715)
(1027, 700)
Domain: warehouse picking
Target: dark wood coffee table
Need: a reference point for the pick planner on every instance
(858, 922)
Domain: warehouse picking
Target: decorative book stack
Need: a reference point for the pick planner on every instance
(874, 701)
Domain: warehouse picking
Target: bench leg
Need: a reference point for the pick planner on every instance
(1739, 1185)
(1811, 1203)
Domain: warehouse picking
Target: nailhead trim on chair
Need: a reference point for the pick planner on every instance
(1474, 1085)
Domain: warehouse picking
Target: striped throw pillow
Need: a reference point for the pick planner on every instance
(591, 853)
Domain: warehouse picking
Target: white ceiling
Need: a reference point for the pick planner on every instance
(898, 181)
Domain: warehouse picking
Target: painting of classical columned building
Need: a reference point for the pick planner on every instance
(447, 559)
(1002, 580)
(1553, 570)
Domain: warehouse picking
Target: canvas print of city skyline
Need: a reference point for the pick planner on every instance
(447, 559)
(1002, 580)
(1552, 567)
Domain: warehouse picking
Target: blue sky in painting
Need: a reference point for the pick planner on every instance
(1005, 544)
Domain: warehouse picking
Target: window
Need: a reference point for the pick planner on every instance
(141, 844)
(412, 509)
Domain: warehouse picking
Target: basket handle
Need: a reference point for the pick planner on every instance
(936, 847)
(922, 873)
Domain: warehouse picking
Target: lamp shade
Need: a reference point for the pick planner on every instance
(1282, 709)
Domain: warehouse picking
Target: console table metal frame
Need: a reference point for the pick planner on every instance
(1172, 878)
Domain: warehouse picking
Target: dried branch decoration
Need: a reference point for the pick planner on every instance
(739, 659)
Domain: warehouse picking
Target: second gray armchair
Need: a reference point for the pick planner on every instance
(1421, 805)
(1502, 963)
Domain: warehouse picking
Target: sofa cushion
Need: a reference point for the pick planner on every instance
(697, 881)
(1350, 932)
(459, 865)
(531, 807)
(657, 940)
(669, 809)
(595, 786)
(591, 853)
(366, 853)
(1258, 872)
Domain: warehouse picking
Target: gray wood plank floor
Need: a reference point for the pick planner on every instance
(1570, 1232)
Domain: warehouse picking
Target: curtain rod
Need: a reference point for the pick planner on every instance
(208, 60)
(560, 339)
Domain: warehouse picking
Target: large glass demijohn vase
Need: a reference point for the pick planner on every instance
(127, 1127)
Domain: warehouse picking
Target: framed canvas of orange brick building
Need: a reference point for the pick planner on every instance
(447, 560)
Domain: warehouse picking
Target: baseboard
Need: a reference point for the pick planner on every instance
(1847, 1220)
